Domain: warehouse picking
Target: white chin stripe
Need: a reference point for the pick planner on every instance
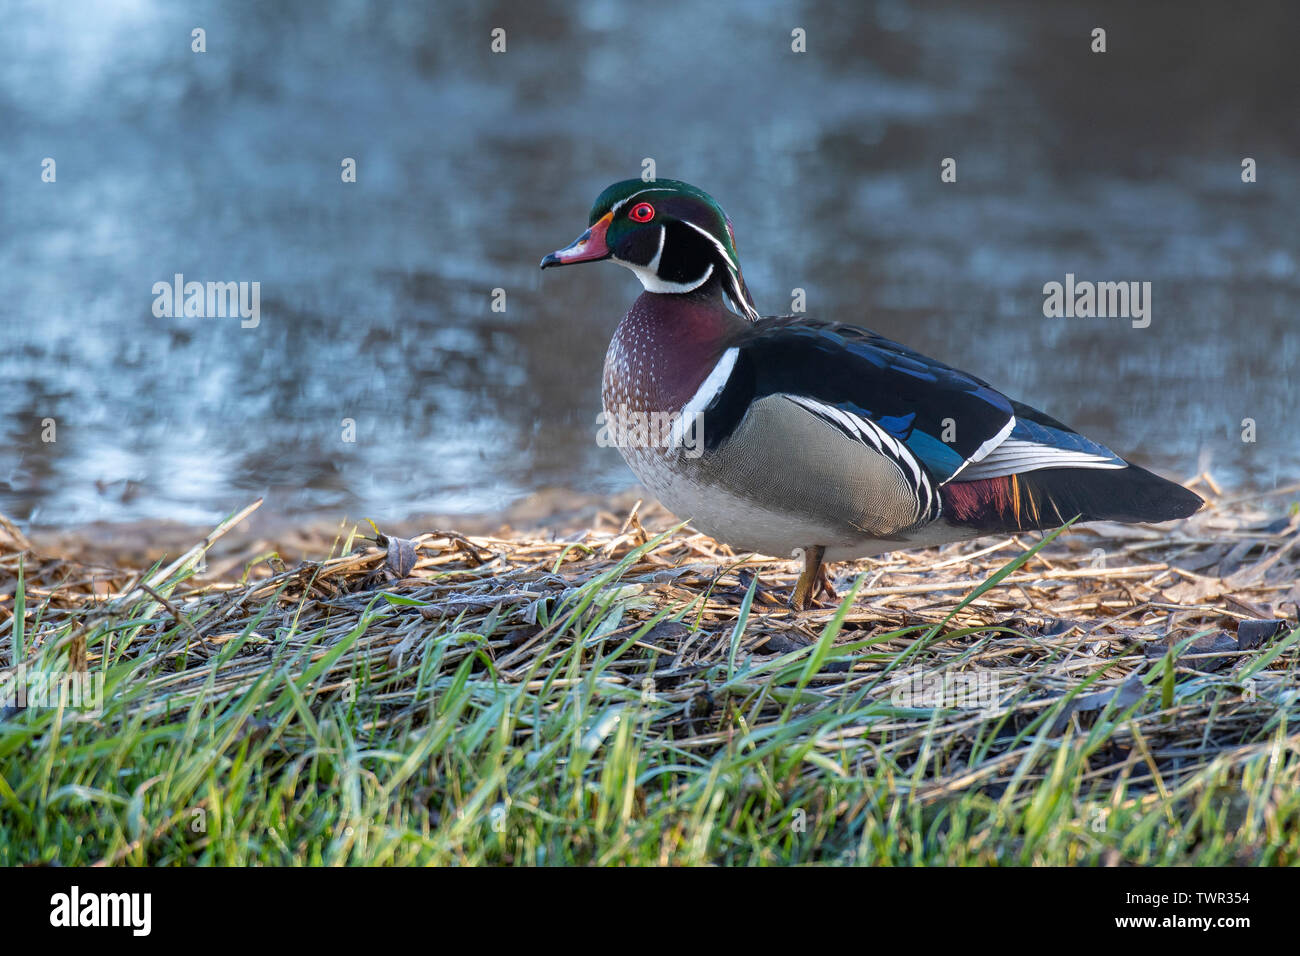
(653, 283)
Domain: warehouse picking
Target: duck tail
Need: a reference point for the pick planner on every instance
(1047, 498)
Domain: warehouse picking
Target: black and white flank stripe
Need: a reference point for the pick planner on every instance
(927, 503)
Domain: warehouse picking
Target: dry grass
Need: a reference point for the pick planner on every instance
(1121, 676)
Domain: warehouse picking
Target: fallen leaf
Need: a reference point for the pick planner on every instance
(401, 557)
(1218, 644)
(1125, 695)
(1252, 634)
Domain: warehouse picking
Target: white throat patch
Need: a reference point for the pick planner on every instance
(650, 279)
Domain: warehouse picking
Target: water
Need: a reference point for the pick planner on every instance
(376, 296)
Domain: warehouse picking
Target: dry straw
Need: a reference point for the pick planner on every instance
(1088, 626)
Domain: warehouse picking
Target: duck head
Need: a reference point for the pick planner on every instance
(673, 236)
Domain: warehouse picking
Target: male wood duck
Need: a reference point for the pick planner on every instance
(821, 439)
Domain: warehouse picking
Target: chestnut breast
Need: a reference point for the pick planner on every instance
(663, 350)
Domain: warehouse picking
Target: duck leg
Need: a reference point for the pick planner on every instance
(826, 587)
(810, 580)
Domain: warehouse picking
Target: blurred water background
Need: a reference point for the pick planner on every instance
(376, 296)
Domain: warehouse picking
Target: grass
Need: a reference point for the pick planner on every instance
(622, 698)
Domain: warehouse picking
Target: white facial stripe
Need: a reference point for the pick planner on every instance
(713, 239)
(653, 265)
(743, 306)
(686, 222)
(732, 272)
(648, 274)
(649, 189)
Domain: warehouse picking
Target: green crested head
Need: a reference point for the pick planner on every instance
(674, 236)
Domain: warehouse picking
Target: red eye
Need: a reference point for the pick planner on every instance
(642, 212)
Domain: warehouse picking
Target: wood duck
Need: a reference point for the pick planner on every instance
(799, 436)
